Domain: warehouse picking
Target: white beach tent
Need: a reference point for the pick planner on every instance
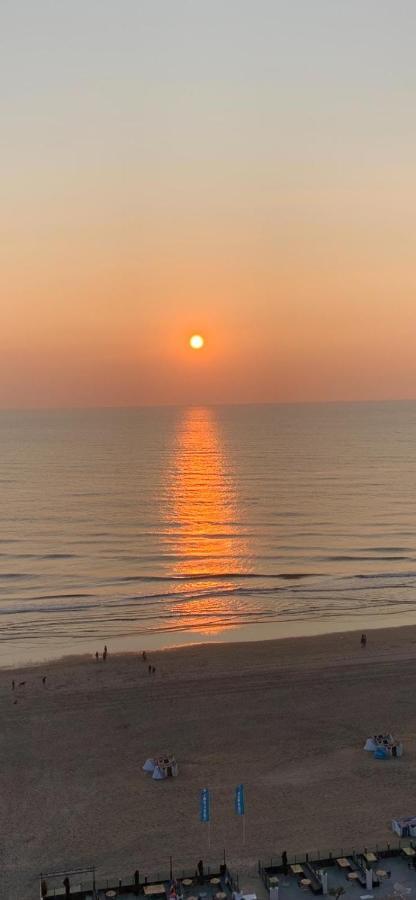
(161, 767)
(373, 743)
(404, 826)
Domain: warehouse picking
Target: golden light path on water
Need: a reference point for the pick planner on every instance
(204, 524)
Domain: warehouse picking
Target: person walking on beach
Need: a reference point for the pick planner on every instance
(363, 640)
(284, 862)
(97, 655)
(105, 653)
(144, 657)
(153, 670)
(149, 669)
(13, 685)
(67, 886)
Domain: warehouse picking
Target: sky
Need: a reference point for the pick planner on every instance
(244, 169)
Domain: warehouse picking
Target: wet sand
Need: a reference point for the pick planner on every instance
(287, 718)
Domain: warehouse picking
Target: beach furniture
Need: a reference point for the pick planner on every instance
(370, 857)
(296, 869)
(315, 883)
(153, 890)
(408, 852)
(364, 874)
(343, 863)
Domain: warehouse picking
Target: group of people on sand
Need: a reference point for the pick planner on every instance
(151, 669)
(23, 684)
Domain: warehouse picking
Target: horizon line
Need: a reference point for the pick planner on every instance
(166, 405)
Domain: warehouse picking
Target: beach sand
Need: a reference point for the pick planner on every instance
(287, 718)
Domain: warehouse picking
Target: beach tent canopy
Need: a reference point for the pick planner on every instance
(404, 826)
(384, 746)
(161, 767)
(378, 740)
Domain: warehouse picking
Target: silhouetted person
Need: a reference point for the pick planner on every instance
(284, 862)
(153, 670)
(136, 881)
(44, 679)
(144, 657)
(200, 870)
(105, 653)
(43, 888)
(67, 886)
(149, 669)
(97, 655)
(13, 685)
(363, 640)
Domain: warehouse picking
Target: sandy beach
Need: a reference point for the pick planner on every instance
(287, 718)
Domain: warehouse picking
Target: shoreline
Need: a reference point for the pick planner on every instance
(190, 645)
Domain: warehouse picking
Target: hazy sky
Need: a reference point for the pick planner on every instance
(240, 168)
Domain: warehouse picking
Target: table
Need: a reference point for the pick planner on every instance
(305, 882)
(215, 881)
(381, 873)
(221, 896)
(187, 882)
(370, 857)
(274, 880)
(408, 851)
(352, 876)
(151, 889)
(111, 894)
(296, 869)
(343, 863)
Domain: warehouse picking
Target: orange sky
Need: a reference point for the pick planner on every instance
(225, 170)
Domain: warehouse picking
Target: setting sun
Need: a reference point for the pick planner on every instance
(196, 342)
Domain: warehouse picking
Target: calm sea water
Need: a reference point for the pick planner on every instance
(153, 527)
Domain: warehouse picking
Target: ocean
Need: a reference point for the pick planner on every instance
(154, 527)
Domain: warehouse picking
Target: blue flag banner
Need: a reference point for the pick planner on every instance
(204, 806)
(239, 800)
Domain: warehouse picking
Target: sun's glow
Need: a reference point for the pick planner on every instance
(196, 342)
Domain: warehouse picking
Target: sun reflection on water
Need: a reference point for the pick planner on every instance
(204, 525)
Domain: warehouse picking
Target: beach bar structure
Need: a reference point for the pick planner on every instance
(372, 873)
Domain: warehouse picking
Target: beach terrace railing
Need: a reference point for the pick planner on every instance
(92, 885)
(321, 858)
